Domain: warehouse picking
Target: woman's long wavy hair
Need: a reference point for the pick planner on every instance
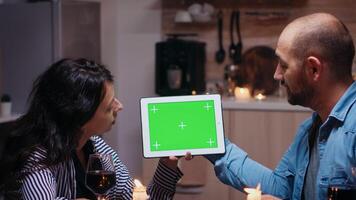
(62, 100)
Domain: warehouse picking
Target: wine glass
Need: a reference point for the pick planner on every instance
(342, 183)
(100, 175)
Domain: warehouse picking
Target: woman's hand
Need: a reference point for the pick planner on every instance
(172, 161)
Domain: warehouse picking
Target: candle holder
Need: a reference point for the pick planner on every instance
(139, 192)
(242, 93)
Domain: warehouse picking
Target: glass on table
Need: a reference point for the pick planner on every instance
(100, 175)
(342, 183)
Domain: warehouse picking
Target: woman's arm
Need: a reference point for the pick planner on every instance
(163, 184)
(39, 185)
(39, 181)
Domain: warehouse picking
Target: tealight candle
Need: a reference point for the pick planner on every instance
(139, 192)
(242, 93)
(254, 193)
(260, 97)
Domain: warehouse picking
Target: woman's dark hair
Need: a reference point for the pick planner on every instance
(62, 100)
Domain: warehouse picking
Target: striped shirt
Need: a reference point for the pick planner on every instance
(58, 182)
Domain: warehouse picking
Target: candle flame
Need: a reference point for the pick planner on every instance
(242, 93)
(138, 183)
(139, 192)
(253, 193)
(260, 96)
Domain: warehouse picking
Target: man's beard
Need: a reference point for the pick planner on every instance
(301, 97)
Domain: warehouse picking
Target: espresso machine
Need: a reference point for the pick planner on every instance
(180, 67)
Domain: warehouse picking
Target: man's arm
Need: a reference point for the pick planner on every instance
(236, 169)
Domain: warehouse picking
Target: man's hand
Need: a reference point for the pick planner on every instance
(172, 161)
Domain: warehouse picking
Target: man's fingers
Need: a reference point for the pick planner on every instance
(188, 156)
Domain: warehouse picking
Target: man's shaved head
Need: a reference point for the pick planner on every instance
(321, 35)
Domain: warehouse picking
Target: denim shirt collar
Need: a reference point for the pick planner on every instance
(342, 107)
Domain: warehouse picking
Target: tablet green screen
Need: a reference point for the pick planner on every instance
(182, 125)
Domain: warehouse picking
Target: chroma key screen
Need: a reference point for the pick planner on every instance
(182, 125)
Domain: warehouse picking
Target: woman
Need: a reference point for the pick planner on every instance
(72, 104)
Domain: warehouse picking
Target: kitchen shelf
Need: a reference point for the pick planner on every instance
(233, 4)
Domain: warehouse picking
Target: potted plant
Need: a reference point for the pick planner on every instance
(5, 105)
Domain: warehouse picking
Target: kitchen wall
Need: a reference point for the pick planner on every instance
(129, 30)
(256, 30)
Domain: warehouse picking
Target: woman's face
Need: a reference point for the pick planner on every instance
(105, 115)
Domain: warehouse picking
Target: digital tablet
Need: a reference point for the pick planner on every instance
(172, 126)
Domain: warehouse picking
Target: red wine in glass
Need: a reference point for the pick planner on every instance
(342, 184)
(100, 176)
(336, 193)
(100, 181)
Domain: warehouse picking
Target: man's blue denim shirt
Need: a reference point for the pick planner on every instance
(337, 147)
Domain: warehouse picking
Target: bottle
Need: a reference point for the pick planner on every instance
(230, 74)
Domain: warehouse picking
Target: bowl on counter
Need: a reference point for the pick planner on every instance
(202, 17)
(183, 16)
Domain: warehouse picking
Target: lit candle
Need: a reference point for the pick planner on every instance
(260, 97)
(254, 193)
(242, 93)
(139, 192)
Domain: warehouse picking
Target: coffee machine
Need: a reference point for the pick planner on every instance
(180, 67)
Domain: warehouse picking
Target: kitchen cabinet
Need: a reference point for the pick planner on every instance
(263, 129)
(34, 35)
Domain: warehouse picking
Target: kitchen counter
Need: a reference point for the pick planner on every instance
(11, 117)
(268, 104)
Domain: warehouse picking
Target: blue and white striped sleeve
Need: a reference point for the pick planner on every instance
(163, 184)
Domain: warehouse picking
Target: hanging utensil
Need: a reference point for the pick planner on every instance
(237, 57)
(232, 42)
(220, 54)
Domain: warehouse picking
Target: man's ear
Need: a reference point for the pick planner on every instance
(314, 67)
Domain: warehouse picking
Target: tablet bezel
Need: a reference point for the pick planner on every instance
(145, 125)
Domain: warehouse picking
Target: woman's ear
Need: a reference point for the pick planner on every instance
(314, 67)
